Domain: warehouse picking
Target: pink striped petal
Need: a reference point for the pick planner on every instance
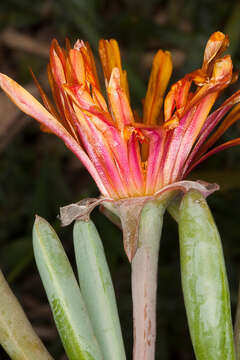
(209, 125)
(191, 133)
(156, 142)
(135, 166)
(100, 153)
(117, 144)
(215, 150)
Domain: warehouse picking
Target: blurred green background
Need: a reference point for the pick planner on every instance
(38, 174)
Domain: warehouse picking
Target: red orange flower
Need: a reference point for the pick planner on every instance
(126, 154)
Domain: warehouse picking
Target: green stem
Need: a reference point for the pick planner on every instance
(144, 281)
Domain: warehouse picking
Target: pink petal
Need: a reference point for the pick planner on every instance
(215, 150)
(209, 125)
(100, 154)
(135, 166)
(154, 160)
(191, 133)
(30, 106)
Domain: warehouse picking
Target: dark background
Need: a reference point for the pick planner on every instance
(38, 174)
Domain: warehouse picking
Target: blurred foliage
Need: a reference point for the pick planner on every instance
(38, 174)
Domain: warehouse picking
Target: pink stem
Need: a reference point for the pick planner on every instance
(144, 281)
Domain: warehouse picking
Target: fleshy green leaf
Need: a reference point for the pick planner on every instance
(64, 295)
(16, 333)
(204, 281)
(97, 289)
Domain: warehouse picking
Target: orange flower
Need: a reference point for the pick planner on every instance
(130, 156)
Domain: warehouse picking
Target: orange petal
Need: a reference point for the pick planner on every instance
(119, 102)
(216, 45)
(67, 44)
(45, 98)
(57, 63)
(177, 98)
(159, 78)
(110, 58)
(99, 99)
(83, 100)
(221, 78)
(75, 67)
(93, 66)
(56, 93)
(89, 64)
(62, 104)
(80, 96)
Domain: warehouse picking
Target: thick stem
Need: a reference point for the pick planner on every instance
(144, 281)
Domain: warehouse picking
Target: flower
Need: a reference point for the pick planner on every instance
(129, 155)
(133, 159)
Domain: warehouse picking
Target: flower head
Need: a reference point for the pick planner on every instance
(129, 155)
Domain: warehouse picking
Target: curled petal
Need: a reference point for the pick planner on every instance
(222, 71)
(182, 100)
(177, 99)
(216, 45)
(221, 78)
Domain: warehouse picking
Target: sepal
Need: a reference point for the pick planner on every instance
(129, 210)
